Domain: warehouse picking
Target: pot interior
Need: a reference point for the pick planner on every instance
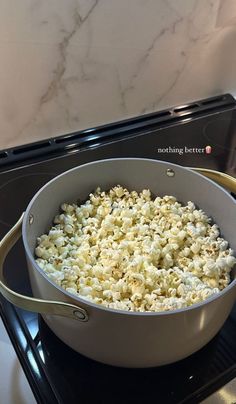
(134, 174)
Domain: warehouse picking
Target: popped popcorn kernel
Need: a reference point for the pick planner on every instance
(130, 251)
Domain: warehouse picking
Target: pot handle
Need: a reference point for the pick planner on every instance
(29, 303)
(222, 179)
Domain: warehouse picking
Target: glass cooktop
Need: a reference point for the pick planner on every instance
(200, 134)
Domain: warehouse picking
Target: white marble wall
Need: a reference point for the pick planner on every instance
(72, 64)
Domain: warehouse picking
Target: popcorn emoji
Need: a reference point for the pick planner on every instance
(208, 149)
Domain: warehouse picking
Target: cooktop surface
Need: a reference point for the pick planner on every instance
(201, 134)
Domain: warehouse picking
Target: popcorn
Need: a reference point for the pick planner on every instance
(129, 251)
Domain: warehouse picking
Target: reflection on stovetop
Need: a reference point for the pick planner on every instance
(98, 383)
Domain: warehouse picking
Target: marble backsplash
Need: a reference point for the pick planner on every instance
(73, 64)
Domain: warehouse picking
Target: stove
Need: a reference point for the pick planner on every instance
(200, 134)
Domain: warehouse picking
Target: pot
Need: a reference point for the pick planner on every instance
(116, 337)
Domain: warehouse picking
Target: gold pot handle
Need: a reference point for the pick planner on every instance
(30, 303)
(222, 179)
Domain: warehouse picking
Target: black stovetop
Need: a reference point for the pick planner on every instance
(55, 372)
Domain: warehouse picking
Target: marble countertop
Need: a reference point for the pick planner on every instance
(73, 64)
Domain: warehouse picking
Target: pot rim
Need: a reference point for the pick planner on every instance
(92, 304)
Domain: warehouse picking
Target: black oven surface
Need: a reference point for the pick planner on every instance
(55, 372)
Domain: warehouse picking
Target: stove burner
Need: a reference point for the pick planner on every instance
(220, 135)
(140, 384)
(16, 193)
